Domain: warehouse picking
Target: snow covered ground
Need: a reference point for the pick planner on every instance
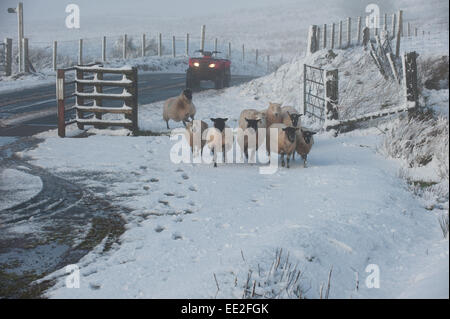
(348, 210)
(16, 187)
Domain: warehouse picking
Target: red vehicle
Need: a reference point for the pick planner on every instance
(207, 67)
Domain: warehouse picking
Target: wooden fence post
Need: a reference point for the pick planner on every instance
(394, 21)
(160, 44)
(349, 31)
(400, 23)
(26, 61)
(143, 45)
(134, 102)
(415, 32)
(324, 36)
(202, 38)
(174, 51)
(229, 50)
(359, 30)
(55, 54)
(318, 38)
(268, 63)
(104, 49)
(60, 101)
(312, 40)
(409, 62)
(391, 60)
(124, 47)
(8, 57)
(243, 53)
(187, 44)
(80, 52)
(256, 57)
(331, 95)
(399, 35)
(332, 35)
(340, 35)
(409, 29)
(215, 44)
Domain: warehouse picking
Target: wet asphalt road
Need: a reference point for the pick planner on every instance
(30, 111)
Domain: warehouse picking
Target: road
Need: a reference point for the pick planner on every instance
(30, 111)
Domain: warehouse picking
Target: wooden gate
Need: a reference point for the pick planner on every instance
(90, 94)
(2, 57)
(320, 92)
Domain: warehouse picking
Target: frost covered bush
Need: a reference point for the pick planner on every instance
(418, 140)
(433, 72)
(282, 280)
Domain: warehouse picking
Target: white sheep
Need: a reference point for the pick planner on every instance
(179, 108)
(273, 114)
(286, 140)
(304, 143)
(194, 129)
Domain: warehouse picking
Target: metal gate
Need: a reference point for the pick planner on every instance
(314, 91)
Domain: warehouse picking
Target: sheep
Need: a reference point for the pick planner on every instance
(192, 129)
(216, 138)
(290, 116)
(273, 114)
(286, 140)
(304, 143)
(252, 114)
(179, 108)
(251, 130)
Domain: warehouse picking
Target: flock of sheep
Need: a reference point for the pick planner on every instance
(284, 121)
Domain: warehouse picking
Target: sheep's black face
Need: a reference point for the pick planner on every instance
(307, 136)
(290, 133)
(252, 124)
(294, 118)
(188, 94)
(219, 123)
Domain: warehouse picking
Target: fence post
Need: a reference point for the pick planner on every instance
(243, 53)
(318, 38)
(124, 47)
(202, 37)
(104, 49)
(349, 31)
(174, 51)
(340, 34)
(415, 32)
(187, 44)
(385, 22)
(98, 101)
(409, 29)
(410, 77)
(358, 31)
(268, 63)
(143, 44)
(160, 45)
(332, 35)
(312, 40)
(399, 33)
(20, 36)
(400, 23)
(26, 64)
(8, 56)
(394, 21)
(304, 86)
(215, 44)
(324, 36)
(60, 100)
(391, 60)
(80, 52)
(256, 57)
(55, 53)
(331, 95)
(229, 50)
(134, 102)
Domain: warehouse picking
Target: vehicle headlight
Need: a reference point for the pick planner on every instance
(196, 64)
(212, 65)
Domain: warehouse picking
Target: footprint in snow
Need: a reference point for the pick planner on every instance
(185, 176)
(154, 180)
(159, 228)
(179, 170)
(164, 202)
(176, 236)
(192, 189)
(169, 194)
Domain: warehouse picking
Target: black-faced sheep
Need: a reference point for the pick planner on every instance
(304, 143)
(217, 140)
(179, 108)
(286, 140)
(290, 116)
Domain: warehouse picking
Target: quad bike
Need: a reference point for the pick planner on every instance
(208, 67)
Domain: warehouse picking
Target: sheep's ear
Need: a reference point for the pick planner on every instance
(225, 119)
(300, 115)
(246, 119)
(312, 133)
(284, 129)
(212, 120)
(259, 120)
(297, 128)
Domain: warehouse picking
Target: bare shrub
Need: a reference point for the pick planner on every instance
(444, 223)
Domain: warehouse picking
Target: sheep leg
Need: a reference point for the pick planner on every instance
(287, 160)
(167, 124)
(184, 123)
(282, 160)
(305, 160)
